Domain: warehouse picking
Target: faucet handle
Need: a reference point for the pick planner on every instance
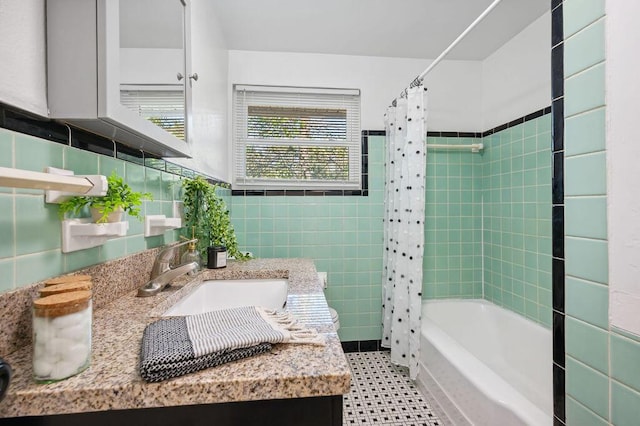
(164, 260)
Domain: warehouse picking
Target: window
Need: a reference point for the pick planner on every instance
(163, 107)
(296, 138)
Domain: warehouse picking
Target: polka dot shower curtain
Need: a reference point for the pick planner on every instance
(405, 165)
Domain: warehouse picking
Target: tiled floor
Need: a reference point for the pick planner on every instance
(383, 394)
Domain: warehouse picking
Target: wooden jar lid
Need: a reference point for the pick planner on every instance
(65, 288)
(67, 279)
(60, 304)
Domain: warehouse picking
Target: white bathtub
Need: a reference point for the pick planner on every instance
(494, 365)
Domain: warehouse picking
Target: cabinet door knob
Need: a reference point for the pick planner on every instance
(194, 76)
(180, 76)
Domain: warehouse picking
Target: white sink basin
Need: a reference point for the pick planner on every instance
(223, 294)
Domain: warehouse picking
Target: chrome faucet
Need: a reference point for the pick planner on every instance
(163, 272)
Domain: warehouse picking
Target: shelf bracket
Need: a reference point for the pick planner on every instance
(98, 187)
(54, 180)
(80, 234)
(159, 224)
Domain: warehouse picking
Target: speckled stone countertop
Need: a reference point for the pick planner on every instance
(112, 381)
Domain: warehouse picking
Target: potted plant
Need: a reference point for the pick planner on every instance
(119, 198)
(207, 218)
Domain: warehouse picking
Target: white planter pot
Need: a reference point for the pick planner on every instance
(113, 217)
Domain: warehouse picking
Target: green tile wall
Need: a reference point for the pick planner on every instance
(343, 235)
(453, 222)
(516, 199)
(602, 374)
(30, 229)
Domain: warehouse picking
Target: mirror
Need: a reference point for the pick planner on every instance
(152, 62)
(124, 91)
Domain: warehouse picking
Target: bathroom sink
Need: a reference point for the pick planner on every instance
(222, 294)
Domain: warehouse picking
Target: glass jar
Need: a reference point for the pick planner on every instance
(216, 257)
(191, 255)
(61, 335)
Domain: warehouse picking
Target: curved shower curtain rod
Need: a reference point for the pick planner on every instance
(418, 80)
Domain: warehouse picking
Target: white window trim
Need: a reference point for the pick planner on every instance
(240, 139)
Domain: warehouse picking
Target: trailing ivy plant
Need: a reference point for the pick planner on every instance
(207, 216)
(119, 196)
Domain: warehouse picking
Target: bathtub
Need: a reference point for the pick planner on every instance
(493, 365)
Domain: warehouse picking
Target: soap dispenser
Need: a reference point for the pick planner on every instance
(192, 255)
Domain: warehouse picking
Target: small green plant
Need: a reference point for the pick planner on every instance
(207, 216)
(119, 196)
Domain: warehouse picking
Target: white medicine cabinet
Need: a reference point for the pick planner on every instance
(121, 69)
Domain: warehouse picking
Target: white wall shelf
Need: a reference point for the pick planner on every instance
(54, 181)
(79, 234)
(159, 224)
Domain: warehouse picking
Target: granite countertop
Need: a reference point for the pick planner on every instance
(112, 381)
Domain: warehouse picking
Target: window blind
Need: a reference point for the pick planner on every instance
(292, 138)
(165, 108)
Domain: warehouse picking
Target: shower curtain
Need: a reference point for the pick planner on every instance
(405, 166)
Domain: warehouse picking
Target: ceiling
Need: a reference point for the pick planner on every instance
(394, 28)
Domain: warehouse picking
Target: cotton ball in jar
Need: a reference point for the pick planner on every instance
(78, 355)
(75, 333)
(63, 369)
(42, 367)
(62, 335)
(69, 320)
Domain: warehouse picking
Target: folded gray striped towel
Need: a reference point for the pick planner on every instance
(172, 347)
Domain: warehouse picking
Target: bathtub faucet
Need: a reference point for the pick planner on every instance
(163, 271)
